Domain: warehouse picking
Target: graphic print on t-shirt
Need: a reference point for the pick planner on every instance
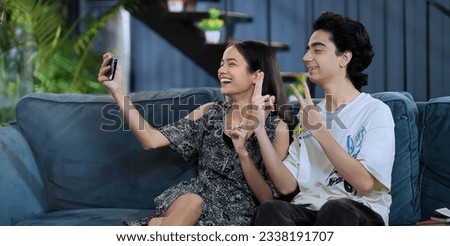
(353, 147)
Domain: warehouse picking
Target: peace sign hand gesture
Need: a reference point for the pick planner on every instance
(308, 116)
(260, 107)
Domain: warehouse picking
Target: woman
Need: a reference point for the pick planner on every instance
(232, 180)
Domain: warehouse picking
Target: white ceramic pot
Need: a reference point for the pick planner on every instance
(212, 37)
(175, 5)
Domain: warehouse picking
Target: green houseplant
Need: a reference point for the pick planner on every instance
(212, 25)
(40, 53)
(299, 85)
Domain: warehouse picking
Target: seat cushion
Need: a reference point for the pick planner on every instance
(87, 217)
(405, 189)
(434, 155)
(90, 158)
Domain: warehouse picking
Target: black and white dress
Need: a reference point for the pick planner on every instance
(227, 199)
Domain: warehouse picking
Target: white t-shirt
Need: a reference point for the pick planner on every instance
(365, 129)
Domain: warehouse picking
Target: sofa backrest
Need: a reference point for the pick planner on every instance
(90, 158)
(405, 187)
(435, 155)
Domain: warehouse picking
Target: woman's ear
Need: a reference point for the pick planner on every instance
(346, 57)
(255, 76)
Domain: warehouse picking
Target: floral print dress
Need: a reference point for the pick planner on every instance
(227, 199)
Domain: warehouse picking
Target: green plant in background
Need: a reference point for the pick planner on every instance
(299, 85)
(300, 78)
(39, 53)
(212, 23)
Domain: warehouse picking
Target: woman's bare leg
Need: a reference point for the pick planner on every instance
(156, 221)
(184, 211)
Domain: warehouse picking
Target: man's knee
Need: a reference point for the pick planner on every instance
(341, 212)
(269, 212)
(269, 206)
(337, 205)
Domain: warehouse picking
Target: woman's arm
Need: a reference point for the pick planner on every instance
(255, 180)
(273, 154)
(149, 137)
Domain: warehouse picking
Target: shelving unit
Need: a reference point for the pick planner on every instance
(180, 29)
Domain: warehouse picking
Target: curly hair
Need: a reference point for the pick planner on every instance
(348, 35)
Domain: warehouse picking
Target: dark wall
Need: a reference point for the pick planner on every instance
(411, 40)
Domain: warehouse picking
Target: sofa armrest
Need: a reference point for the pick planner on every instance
(22, 192)
(405, 189)
(434, 156)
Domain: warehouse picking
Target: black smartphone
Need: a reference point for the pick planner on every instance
(112, 71)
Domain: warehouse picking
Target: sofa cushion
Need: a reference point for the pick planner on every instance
(405, 208)
(89, 157)
(434, 156)
(87, 217)
(23, 186)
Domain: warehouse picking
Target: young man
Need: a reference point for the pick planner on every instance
(343, 153)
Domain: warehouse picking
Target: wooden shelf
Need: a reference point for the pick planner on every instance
(180, 30)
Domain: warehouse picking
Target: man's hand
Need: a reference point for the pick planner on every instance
(308, 116)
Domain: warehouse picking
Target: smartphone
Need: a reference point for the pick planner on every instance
(113, 65)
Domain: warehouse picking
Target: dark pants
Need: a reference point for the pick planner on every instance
(339, 212)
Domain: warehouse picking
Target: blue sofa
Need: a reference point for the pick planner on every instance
(70, 159)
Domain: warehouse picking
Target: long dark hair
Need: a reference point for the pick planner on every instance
(259, 56)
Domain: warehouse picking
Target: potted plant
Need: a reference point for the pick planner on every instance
(299, 85)
(176, 5)
(212, 26)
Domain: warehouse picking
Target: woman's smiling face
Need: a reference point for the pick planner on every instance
(234, 75)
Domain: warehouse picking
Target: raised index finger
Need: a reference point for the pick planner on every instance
(298, 96)
(307, 93)
(259, 82)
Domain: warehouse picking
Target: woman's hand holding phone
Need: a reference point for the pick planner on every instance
(109, 73)
(112, 68)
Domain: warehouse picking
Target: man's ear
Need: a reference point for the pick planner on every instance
(346, 57)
